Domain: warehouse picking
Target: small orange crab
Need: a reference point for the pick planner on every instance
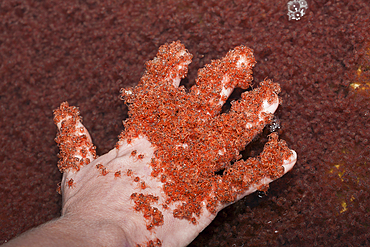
(71, 183)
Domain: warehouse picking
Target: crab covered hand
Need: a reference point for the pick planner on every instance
(177, 163)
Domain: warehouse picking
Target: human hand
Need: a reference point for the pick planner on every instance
(177, 163)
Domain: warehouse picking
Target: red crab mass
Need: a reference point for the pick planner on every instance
(72, 140)
(188, 132)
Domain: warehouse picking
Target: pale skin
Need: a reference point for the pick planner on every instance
(97, 209)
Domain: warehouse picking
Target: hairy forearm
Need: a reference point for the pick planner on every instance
(68, 231)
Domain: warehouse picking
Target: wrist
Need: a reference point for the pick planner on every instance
(92, 231)
(73, 231)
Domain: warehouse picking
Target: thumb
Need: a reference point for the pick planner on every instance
(73, 139)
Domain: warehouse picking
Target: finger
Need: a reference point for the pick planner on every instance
(258, 105)
(217, 80)
(73, 139)
(170, 65)
(167, 68)
(264, 182)
(254, 110)
(245, 177)
(246, 118)
(290, 162)
(158, 87)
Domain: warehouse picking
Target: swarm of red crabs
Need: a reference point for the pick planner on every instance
(196, 146)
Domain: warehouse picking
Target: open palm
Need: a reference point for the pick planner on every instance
(177, 162)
